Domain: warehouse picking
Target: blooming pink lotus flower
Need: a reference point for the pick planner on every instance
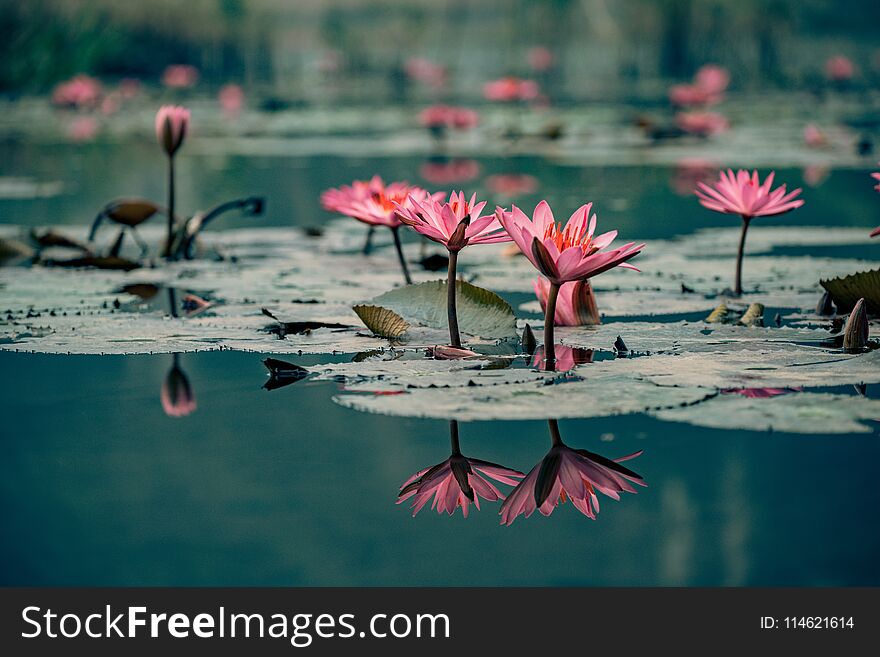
(333, 200)
(510, 89)
(456, 482)
(563, 254)
(80, 92)
(743, 194)
(449, 116)
(567, 358)
(576, 304)
(566, 473)
(455, 224)
(702, 124)
(172, 122)
(839, 69)
(176, 394)
(231, 99)
(511, 185)
(539, 58)
(180, 76)
(712, 78)
(814, 136)
(448, 173)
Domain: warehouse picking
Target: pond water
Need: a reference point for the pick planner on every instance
(98, 486)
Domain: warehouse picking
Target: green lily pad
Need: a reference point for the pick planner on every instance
(847, 290)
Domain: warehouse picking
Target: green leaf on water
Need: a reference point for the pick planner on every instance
(480, 312)
(382, 322)
(847, 290)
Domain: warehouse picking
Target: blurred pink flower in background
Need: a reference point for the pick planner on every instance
(333, 200)
(565, 253)
(427, 72)
(702, 124)
(539, 58)
(511, 185)
(689, 171)
(684, 95)
(172, 122)
(510, 89)
(82, 129)
(876, 176)
(814, 136)
(576, 305)
(760, 393)
(712, 78)
(815, 174)
(130, 88)
(180, 76)
(378, 207)
(569, 474)
(231, 99)
(447, 173)
(455, 223)
(111, 103)
(176, 393)
(448, 116)
(839, 69)
(457, 482)
(744, 194)
(80, 92)
(567, 358)
(707, 88)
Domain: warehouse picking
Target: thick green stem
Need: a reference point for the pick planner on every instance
(368, 242)
(549, 319)
(169, 244)
(453, 437)
(738, 290)
(396, 232)
(451, 311)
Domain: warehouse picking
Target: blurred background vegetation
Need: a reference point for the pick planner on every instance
(601, 48)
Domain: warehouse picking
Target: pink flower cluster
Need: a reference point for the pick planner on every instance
(449, 116)
(510, 89)
(707, 88)
(80, 92)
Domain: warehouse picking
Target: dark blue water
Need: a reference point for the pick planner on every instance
(98, 486)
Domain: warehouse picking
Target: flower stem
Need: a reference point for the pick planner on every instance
(451, 311)
(170, 242)
(555, 438)
(453, 437)
(368, 243)
(549, 319)
(396, 232)
(738, 290)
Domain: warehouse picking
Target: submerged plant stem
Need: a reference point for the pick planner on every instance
(549, 319)
(739, 256)
(396, 232)
(451, 310)
(555, 438)
(453, 437)
(368, 242)
(169, 244)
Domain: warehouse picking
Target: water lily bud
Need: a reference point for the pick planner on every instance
(855, 331)
(825, 305)
(528, 342)
(171, 125)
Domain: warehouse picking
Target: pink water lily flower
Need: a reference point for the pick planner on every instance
(839, 68)
(454, 223)
(456, 482)
(172, 122)
(333, 200)
(566, 473)
(80, 92)
(565, 253)
(744, 194)
(712, 78)
(180, 76)
(576, 304)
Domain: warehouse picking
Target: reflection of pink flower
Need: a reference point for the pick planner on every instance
(690, 171)
(454, 223)
(510, 89)
(129, 88)
(456, 482)
(743, 194)
(448, 173)
(172, 122)
(839, 68)
(82, 129)
(427, 72)
(336, 198)
(176, 394)
(760, 393)
(448, 116)
(575, 306)
(876, 176)
(231, 98)
(80, 92)
(712, 78)
(567, 358)
(815, 174)
(445, 352)
(378, 207)
(702, 124)
(180, 76)
(566, 253)
(684, 95)
(540, 58)
(814, 137)
(511, 185)
(574, 474)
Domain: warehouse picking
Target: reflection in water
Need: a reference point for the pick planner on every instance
(456, 482)
(567, 358)
(177, 395)
(566, 473)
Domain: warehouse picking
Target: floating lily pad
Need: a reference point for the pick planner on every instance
(847, 290)
(382, 322)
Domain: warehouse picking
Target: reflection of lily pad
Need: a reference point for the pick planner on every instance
(847, 290)
(480, 312)
(384, 323)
